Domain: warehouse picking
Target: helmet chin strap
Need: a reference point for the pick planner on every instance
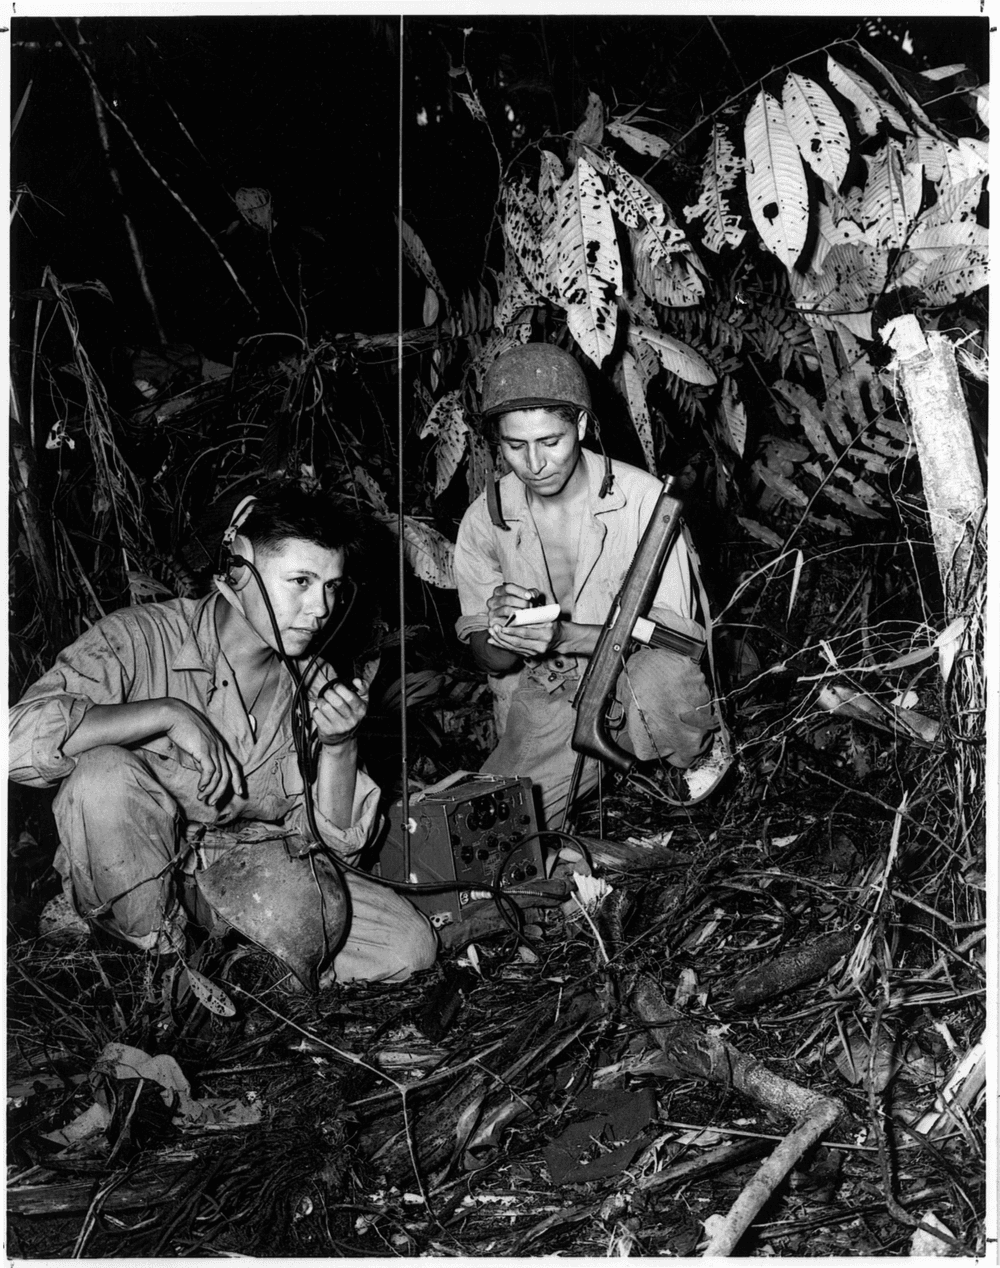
(608, 483)
(493, 484)
(493, 497)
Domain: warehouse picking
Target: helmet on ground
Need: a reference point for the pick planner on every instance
(533, 376)
(294, 908)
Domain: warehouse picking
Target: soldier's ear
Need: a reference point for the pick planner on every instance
(581, 424)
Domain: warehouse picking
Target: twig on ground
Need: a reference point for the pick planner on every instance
(726, 1234)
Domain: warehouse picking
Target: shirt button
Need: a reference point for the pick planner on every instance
(225, 682)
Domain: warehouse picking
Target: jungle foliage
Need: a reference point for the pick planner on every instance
(722, 275)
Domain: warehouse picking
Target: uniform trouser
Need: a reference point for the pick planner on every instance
(665, 713)
(120, 835)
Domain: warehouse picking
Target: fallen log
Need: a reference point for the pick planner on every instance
(77, 1195)
(693, 1053)
(793, 969)
(711, 1162)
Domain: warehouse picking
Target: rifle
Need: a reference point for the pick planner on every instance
(625, 622)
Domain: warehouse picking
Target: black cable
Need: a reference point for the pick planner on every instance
(301, 724)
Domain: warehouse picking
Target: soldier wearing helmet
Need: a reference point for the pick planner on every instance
(562, 527)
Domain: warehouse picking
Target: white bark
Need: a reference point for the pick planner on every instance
(940, 419)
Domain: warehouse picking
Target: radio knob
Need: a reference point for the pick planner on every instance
(525, 819)
(503, 811)
(531, 870)
(467, 854)
(482, 854)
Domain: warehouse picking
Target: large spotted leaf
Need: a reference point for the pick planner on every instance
(635, 394)
(373, 489)
(891, 202)
(639, 207)
(581, 251)
(870, 109)
(419, 259)
(832, 232)
(672, 280)
(944, 164)
(914, 107)
(817, 127)
(675, 356)
(733, 415)
(776, 180)
(853, 275)
(591, 130)
(448, 423)
(638, 139)
(516, 293)
(947, 273)
(719, 177)
(429, 553)
(523, 230)
(551, 175)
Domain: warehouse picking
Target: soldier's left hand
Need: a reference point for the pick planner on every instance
(338, 710)
(527, 640)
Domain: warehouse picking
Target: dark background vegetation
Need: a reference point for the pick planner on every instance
(308, 108)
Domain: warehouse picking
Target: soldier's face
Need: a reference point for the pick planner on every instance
(302, 580)
(542, 449)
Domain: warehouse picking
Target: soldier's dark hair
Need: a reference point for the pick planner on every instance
(290, 513)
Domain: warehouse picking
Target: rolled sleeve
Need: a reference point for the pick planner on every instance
(364, 815)
(477, 570)
(93, 670)
(673, 603)
(38, 730)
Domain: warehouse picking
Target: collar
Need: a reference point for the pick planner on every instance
(514, 499)
(200, 649)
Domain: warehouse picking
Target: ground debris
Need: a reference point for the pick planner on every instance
(495, 1057)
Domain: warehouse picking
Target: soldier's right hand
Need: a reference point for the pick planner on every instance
(507, 599)
(219, 770)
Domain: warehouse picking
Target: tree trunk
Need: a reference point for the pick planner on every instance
(940, 420)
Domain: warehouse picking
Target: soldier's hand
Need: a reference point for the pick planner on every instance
(219, 770)
(507, 599)
(338, 710)
(527, 640)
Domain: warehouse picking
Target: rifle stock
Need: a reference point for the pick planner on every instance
(590, 732)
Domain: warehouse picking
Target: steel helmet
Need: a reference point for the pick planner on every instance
(294, 908)
(533, 376)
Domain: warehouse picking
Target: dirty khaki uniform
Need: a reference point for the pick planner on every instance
(667, 709)
(121, 812)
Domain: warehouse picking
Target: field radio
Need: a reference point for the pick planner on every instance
(474, 832)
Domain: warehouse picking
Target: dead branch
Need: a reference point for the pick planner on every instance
(695, 1053)
(724, 1237)
(77, 1195)
(793, 969)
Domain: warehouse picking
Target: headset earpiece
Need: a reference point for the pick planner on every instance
(236, 550)
(239, 554)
